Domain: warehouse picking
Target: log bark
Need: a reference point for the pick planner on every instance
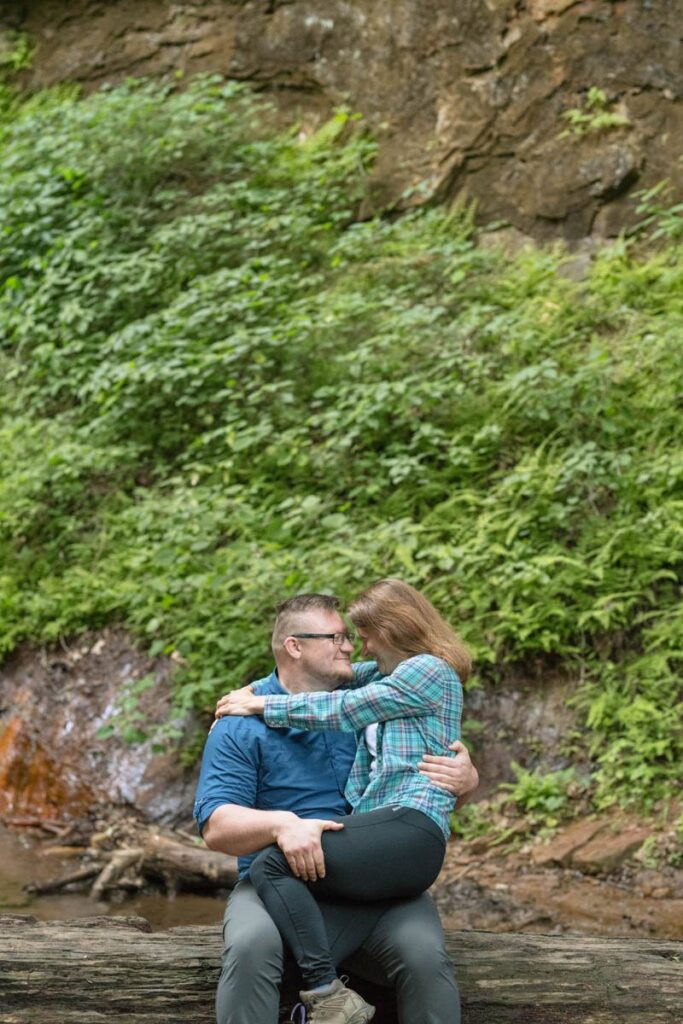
(88, 971)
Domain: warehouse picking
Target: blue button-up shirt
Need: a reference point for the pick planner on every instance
(247, 763)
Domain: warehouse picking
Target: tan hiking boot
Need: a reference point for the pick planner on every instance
(340, 1006)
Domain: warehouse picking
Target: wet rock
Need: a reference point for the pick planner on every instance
(562, 847)
(472, 93)
(54, 764)
(489, 908)
(520, 719)
(608, 850)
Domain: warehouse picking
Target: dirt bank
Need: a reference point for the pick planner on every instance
(620, 882)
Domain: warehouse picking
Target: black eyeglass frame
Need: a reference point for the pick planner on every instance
(351, 637)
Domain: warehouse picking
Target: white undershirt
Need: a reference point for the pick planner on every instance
(371, 744)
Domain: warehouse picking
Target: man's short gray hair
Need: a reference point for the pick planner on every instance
(289, 615)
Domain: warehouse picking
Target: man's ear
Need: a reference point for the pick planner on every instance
(293, 647)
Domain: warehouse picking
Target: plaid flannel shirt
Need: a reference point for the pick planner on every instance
(418, 708)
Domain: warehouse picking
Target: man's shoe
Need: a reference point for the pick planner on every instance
(339, 1006)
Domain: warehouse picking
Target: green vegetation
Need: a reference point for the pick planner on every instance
(544, 797)
(536, 802)
(676, 857)
(220, 388)
(662, 218)
(16, 52)
(595, 116)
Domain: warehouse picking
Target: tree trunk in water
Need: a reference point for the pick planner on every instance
(87, 971)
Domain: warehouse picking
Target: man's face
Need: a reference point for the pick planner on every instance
(321, 659)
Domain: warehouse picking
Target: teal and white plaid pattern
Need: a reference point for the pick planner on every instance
(418, 706)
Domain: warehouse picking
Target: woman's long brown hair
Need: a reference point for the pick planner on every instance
(403, 619)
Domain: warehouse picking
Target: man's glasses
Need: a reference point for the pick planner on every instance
(336, 638)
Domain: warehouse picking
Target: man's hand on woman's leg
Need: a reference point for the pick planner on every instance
(455, 774)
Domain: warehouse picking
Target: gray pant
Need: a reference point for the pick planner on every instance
(405, 949)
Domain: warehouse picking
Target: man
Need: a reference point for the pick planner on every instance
(260, 786)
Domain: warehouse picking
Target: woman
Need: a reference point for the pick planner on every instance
(407, 701)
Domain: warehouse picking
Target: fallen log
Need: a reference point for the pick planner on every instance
(87, 971)
(182, 866)
(178, 865)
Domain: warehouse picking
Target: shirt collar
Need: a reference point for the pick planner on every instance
(270, 685)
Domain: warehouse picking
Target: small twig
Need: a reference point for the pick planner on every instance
(120, 861)
(464, 871)
(32, 821)
(186, 835)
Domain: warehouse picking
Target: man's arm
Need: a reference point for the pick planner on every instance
(242, 830)
(239, 831)
(456, 774)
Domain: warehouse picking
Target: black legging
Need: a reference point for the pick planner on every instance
(392, 853)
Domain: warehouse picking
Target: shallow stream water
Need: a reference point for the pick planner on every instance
(23, 860)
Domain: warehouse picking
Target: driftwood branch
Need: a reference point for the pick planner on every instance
(90, 971)
(57, 884)
(178, 865)
(110, 876)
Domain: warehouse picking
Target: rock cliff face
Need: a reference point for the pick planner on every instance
(468, 97)
(53, 761)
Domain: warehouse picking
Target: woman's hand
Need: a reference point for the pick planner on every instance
(456, 774)
(240, 702)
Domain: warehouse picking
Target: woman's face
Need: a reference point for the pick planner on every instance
(386, 657)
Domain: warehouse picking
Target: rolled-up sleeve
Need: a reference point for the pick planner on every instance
(229, 772)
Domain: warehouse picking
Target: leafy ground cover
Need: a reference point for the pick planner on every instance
(221, 388)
